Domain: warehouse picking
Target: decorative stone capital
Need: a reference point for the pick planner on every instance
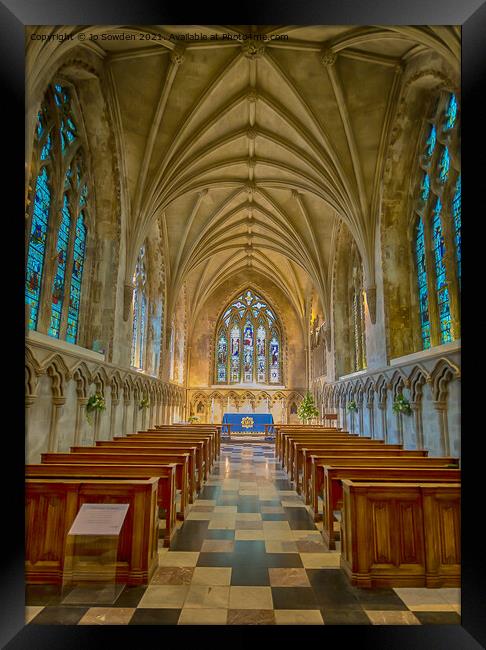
(29, 400)
(371, 302)
(127, 300)
(177, 56)
(58, 401)
(252, 96)
(328, 57)
(440, 405)
(203, 193)
(251, 163)
(82, 401)
(253, 50)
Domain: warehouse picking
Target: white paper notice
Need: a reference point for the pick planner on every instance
(99, 519)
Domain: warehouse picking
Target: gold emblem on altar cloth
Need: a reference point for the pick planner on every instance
(247, 423)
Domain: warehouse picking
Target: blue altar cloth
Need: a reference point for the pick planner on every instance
(259, 419)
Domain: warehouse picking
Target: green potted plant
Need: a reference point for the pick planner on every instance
(307, 409)
(401, 405)
(96, 403)
(193, 419)
(144, 403)
(351, 406)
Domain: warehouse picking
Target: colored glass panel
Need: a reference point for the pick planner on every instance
(222, 357)
(46, 149)
(274, 360)
(451, 113)
(431, 140)
(441, 278)
(444, 165)
(425, 187)
(260, 351)
(143, 325)
(422, 284)
(61, 260)
(37, 246)
(456, 213)
(235, 354)
(248, 352)
(135, 327)
(76, 280)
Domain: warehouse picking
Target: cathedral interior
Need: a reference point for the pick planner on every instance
(226, 224)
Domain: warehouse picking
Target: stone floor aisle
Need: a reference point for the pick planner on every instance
(249, 553)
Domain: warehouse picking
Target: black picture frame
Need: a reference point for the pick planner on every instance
(14, 16)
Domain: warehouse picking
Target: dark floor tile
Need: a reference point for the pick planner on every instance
(267, 516)
(438, 618)
(250, 546)
(155, 616)
(249, 506)
(294, 598)
(60, 615)
(283, 484)
(344, 617)
(209, 492)
(284, 560)
(271, 502)
(216, 559)
(250, 559)
(219, 533)
(190, 537)
(130, 596)
(379, 599)
(42, 595)
(250, 576)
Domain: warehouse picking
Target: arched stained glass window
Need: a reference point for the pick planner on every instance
(248, 342)
(139, 311)
(62, 235)
(61, 258)
(425, 187)
(451, 113)
(444, 165)
(37, 245)
(422, 284)
(440, 277)
(456, 213)
(431, 140)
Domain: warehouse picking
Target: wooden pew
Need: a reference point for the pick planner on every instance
(185, 481)
(205, 429)
(182, 434)
(401, 534)
(328, 436)
(52, 506)
(206, 443)
(281, 430)
(318, 463)
(166, 474)
(333, 491)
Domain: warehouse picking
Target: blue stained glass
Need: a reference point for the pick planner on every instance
(46, 149)
(40, 124)
(222, 357)
(235, 354)
(37, 246)
(431, 140)
(63, 142)
(76, 280)
(248, 352)
(143, 322)
(422, 284)
(135, 327)
(58, 284)
(139, 311)
(444, 165)
(456, 213)
(274, 359)
(440, 277)
(451, 113)
(425, 188)
(260, 350)
(83, 196)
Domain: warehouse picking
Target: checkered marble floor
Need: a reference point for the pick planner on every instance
(249, 553)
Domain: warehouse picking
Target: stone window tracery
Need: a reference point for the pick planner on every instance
(139, 311)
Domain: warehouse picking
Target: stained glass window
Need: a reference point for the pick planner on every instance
(440, 277)
(451, 113)
(61, 259)
(456, 213)
(37, 245)
(422, 284)
(431, 140)
(76, 279)
(243, 348)
(139, 311)
(425, 188)
(444, 165)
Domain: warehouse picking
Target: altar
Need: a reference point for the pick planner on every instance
(251, 423)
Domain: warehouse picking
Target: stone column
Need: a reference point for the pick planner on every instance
(114, 403)
(361, 418)
(441, 408)
(417, 418)
(29, 400)
(382, 407)
(57, 404)
(126, 404)
(371, 419)
(136, 400)
(80, 416)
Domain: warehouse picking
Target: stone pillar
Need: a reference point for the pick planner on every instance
(441, 408)
(371, 419)
(126, 404)
(382, 407)
(417, 418)
(29, 400)
(360, 418)
(80, 415)
(114, 403)
(135, 414)
(57, 404)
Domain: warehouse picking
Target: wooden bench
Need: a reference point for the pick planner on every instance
(52, 506)
(282, 430)
(401, 534)
(205, 429)
(288, 441)
(166, 474)
(208, 442)
(185, 481)
(333, 491)
(318, 462)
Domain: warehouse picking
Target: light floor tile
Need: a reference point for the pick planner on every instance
(107, 616)
(212, 576)
(207, 616)
(225, 509)
(276, 546)
(206, 502)
(194, 515)
(248, 516)
(288, 577)
(307, 535)
(276, 525)
(224, 522)
(392, 618)
(178, 558)
(31, 612)
(164, 596)
(423, 599)
(298, 617)
(250, 598)
(242, 535)
(278, 535)
(204, 596)
(321, 560)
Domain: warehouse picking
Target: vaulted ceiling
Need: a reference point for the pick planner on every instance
(251, 153)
